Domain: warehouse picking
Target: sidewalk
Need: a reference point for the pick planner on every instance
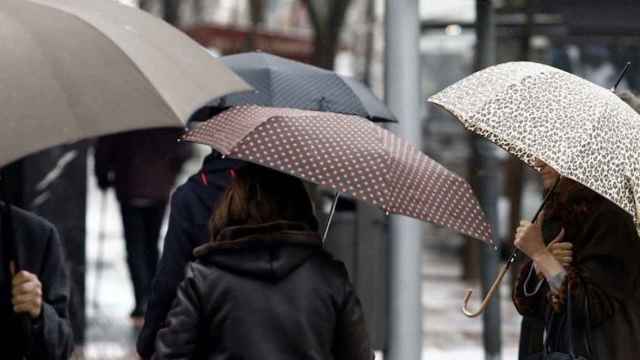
(449, 334)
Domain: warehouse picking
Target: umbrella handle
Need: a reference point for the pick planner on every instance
(505, 267)
(488, 297)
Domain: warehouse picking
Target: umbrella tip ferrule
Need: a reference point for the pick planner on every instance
(621, 76)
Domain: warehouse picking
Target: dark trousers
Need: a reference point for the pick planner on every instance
(141, 233)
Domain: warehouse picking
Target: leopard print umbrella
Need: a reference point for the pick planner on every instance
(532, 111)
(348, 154)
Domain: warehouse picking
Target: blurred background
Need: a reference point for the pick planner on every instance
(590, 38)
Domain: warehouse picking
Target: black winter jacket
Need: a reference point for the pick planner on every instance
(191, 208)
(265, 292)
(39, 252)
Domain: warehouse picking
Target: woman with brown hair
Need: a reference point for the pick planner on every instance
(263, 287)
(602, 278)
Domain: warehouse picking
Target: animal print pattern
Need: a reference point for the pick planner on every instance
(580, 129)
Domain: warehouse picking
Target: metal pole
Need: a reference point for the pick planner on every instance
(488, 189)
(403, 95)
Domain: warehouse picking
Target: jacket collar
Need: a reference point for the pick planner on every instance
(278, 233)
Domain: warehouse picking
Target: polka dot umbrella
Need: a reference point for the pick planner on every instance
(348, 154)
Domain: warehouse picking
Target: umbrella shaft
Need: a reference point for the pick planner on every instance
(333, 210)
(516, 252)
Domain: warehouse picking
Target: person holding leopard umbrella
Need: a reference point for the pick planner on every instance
(583, 139)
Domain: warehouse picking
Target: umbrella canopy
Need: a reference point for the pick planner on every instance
(73, 69)
(281, 82)
(532, 111)
(348, 154)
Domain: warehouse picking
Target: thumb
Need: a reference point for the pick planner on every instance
(559, 237)
(554, 241)
(12, 268)
(540, 218)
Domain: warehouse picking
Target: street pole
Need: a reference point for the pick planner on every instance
(486, 165)
(403, 95)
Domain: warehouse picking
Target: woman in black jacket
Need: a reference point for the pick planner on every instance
(263, 287)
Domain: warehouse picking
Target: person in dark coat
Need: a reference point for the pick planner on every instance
(190, 210)
(142, 166)
(263, 287)
(37, 292)
(603, 277)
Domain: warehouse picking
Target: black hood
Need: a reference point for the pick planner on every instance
(213, 178)
(268, 251)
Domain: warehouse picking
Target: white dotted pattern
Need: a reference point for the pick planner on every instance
(351, 155)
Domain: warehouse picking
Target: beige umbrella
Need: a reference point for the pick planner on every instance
(72, 69)
(582, 130)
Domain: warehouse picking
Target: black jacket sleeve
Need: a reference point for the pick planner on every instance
(178, 339)
(351, 338)
(51, 334)
(176, 254)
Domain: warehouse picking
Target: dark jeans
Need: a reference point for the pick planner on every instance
(141, 233)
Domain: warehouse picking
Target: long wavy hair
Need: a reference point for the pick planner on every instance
(258, 195)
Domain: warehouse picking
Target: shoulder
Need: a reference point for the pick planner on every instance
(613, 223)
(183, 192)
(612, 216)
(185, 195)
(31, 223)
(202, 272)
(330, 267)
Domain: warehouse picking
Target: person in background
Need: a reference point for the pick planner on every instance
(34, 298)
(263, 287)
(142, 166)
(191, 207)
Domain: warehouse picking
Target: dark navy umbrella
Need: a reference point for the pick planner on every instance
(281, 82)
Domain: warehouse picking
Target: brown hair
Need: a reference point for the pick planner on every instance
(570, 204)
(258, 195)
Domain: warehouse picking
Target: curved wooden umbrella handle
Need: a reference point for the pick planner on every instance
(488, 297)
